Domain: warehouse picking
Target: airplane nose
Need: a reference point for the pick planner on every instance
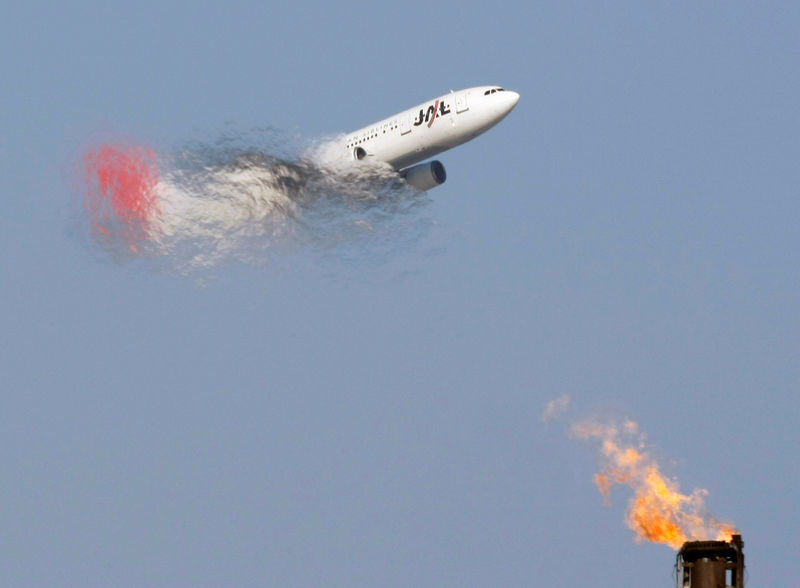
(505, 101)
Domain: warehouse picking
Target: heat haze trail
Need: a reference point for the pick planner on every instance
(229, 201)
(121, 191)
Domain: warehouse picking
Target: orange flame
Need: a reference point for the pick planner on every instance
(657, 512)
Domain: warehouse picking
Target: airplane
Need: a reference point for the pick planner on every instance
(414, 135)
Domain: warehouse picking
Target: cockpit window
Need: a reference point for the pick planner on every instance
(492, 91)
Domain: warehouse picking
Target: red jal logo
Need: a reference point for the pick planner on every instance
(430, 115)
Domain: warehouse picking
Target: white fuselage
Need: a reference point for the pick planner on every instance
(421, 132)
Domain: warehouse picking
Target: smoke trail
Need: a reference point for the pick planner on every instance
(657, 511)
(556, 408)
(210, 204)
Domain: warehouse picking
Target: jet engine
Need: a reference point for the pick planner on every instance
(359, 153)
(425, 176)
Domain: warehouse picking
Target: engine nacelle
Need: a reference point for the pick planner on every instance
(359, 153)
(425, 176)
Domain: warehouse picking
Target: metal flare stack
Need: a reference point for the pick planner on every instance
(711, 564)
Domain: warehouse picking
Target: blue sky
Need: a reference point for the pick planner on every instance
(347, 416)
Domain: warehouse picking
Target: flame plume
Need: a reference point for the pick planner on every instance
(657, 512)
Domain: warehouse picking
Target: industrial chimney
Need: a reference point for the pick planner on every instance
(711, 564)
